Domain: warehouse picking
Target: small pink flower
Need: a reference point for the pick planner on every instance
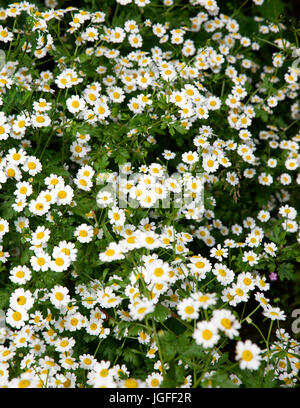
(273, 276)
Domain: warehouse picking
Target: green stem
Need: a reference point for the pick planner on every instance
(260, 332)
(250, 314)
(63, 45)
(47, 143)
(97, 348)
(206, 284)
(240, 8)
(116, 359)
(243, 310)
(291, 124)
(9, 49)
(158, 345)
(268, 338)
(204, 370)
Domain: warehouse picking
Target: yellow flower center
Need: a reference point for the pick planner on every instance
(59, 296)
(21, 300)
(17, 316)
(131, 383)
(226, 323)
(247, 355)
(189, 310)
(207, 334)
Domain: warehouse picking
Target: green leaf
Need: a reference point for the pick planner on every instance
(122, 155)
(130, 356)
(222, 380)
(271, 9)
(107, 234)
(193, 350)
(170, 379)
(168, 345)
(269, 380)
(160, 313)
(249, 378)
(133, 331)
(257, 378)
(7, 211)
(286, 271)
(25, 257)
(175, 376)
(262, 114)
(4, 298)
(180, 129)
(108, 348)
(277, 234)
(272, 266)
(101, 162)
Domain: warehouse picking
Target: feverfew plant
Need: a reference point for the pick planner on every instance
(149, 174)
